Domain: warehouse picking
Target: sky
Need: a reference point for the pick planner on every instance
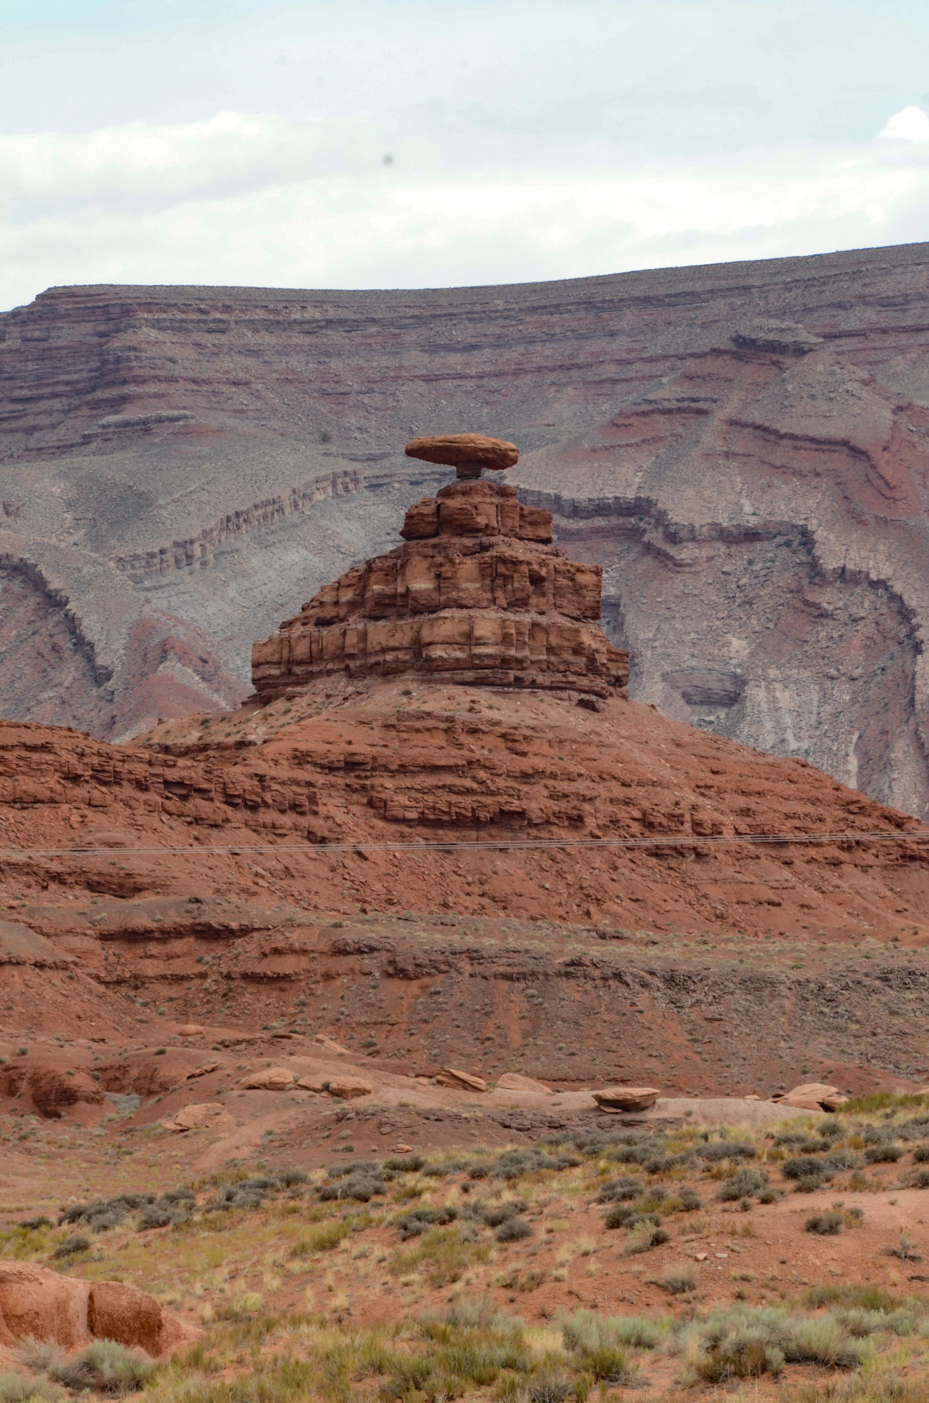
(418, 143)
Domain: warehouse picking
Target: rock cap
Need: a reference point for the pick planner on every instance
(467, 453)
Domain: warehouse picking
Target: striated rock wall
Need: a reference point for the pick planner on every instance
(474, 596)
(744, 447)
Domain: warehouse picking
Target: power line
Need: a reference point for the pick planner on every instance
(667, 840)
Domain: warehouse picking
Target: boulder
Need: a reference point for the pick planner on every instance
(190, 1030)
(515, 1081)
(268, 1079)
(626, 1098)
(349, 1088)
(198, 1117)
(812, 1096)
(464, 1079)
(36, 1302)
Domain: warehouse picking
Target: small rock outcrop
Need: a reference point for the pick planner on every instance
(38, 1303)
(477, 595)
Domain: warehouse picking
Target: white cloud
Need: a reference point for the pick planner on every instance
(147, 166)
(264, 200)
(911, 124)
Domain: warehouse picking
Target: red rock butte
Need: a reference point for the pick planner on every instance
(477, 595)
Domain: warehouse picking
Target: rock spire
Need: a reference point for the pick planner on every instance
(478, 595)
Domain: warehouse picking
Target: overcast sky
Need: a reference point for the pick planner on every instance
(410, 143)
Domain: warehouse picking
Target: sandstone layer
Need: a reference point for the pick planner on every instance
(473, 597)
(744, 447)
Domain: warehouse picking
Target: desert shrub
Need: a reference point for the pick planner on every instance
(854, 1296)
(39, 1355)
(615, 1190)
(513, 1230)
(921, 1154)
(619, 1216)
(916, 1128)
(635, 1153)
(474, 1313)
(530, 1160)
(879, 1134)
(72, 1246)
(804, 1167)
(154, 1217)
(417, 1222)
(744, 1342)
(643, 1238)
(322, 1237)
(442, 1254)
(500, 1212)
(726, 1149)
(359, 1166)
(660, 1164)
(799, 1141)
(825, 1224)
(361, 1188)
(404, 1164)
(105, 1367)
(842, 1159)
(905, 1250)
(744, 1183)
(14, 1388)
(770, 1195)
(584, 1331)
(289, 1178)
(550, 1386)
(831, 1130)
(185, 1194)
(677, 1281)
(920, 1179)
(34, 1224)
(883, 1154)
(625, 1215)
(443, 1169)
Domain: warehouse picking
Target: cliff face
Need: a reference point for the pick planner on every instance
(179, 464)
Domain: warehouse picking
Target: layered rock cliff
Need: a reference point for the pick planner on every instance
(476, 595)
(180, 463)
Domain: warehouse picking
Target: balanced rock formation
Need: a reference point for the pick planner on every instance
(476, 595)
(467, 453)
